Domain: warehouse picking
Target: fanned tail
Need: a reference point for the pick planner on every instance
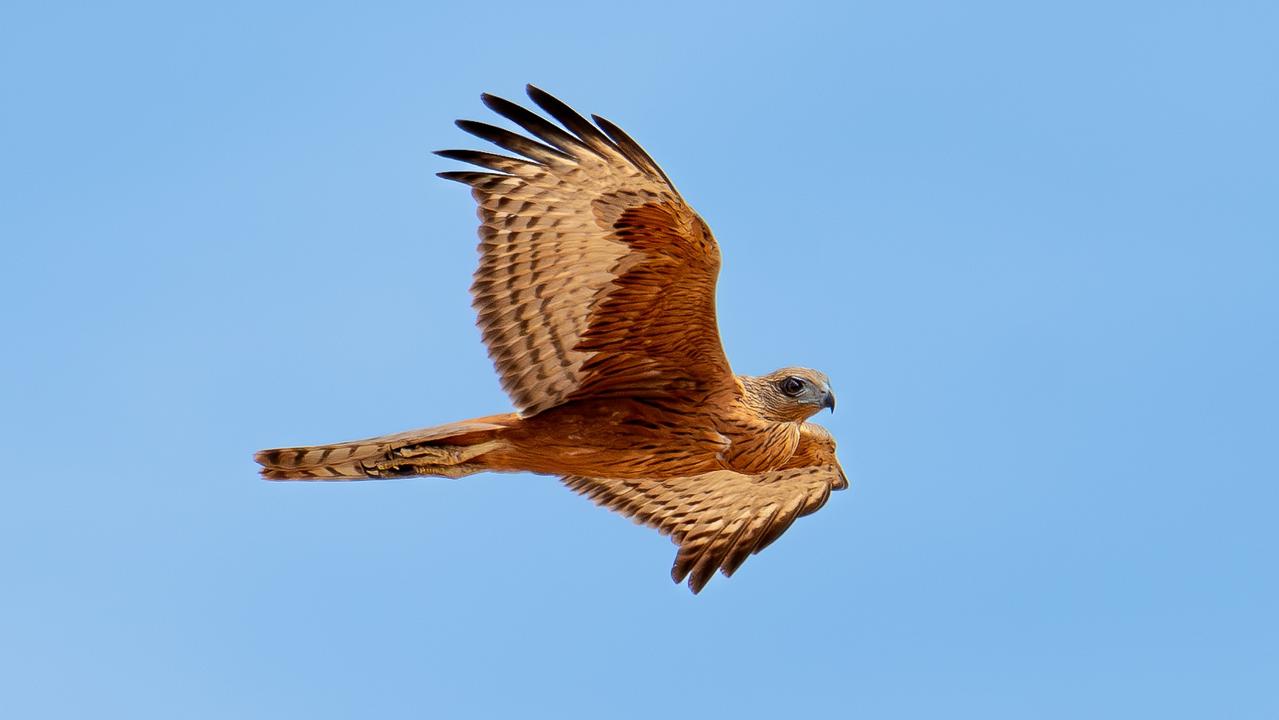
(451, 450)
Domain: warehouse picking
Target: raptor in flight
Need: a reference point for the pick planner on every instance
(596, 298)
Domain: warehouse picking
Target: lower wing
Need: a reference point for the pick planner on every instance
(719, 518)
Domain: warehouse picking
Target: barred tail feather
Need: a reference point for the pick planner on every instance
(449, 450)
(343, 461)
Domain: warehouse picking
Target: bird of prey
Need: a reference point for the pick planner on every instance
(596, 299)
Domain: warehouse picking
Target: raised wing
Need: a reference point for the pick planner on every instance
(595, 278)
(720, 518)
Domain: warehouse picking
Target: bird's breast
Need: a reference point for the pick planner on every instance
(759, 446)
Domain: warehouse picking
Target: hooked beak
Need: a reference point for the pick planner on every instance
(829, 400)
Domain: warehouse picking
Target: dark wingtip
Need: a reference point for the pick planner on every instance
(632, 149)
(678, 571)
(492, 102)
(570, 119)
(542, 98)
(694, 585)
(696, 580)
(463, 176)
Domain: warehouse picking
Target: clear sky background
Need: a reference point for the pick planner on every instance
(1036, 248)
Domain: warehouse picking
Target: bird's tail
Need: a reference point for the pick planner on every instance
(451, 450)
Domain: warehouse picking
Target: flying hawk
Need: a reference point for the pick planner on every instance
(596, 298)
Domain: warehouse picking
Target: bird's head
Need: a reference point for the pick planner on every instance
(789, 395)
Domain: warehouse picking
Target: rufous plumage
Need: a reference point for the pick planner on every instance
(596, 299)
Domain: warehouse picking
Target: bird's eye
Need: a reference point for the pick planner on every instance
(792, 386)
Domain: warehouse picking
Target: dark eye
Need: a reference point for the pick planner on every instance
(791, 386)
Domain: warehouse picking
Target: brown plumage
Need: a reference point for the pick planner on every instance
(596, 299)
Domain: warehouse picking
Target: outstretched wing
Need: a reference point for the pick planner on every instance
(720, 518)
(595, 278)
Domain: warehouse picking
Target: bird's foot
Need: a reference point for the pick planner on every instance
(440, 460)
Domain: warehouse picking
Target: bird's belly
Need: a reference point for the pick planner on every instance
(621, 439)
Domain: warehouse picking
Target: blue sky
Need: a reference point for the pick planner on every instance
(1035, 247)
